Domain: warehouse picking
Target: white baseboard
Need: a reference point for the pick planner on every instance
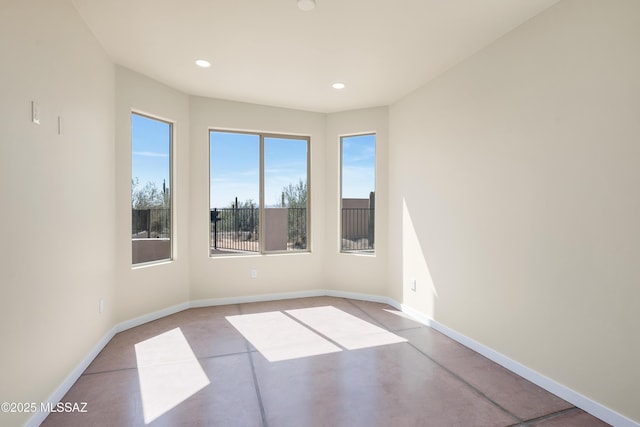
(255, 298)
(594, 408)
(580, 401)
(63, 388)
(70, 380)
(361, 297)
(290, 295)
(415, 314)
(140, 320)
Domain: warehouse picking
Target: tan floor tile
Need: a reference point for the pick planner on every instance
(229, 400)
(115, 399)
(519, 396)
(386, 315)
(436, 345)
(206, 329)
(573, 418)
(394, 384)
(370, 387)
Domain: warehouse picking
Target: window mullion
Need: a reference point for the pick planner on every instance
(261, 215)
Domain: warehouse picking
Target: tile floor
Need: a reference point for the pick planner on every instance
(194, 368)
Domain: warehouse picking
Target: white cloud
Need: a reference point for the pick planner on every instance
(149, 154)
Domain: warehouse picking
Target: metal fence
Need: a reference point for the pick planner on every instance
(235, 229)
(358, 225)
(297, 228)
(151, 223)
(238, 229)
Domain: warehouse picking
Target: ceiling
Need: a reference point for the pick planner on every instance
(270, 52)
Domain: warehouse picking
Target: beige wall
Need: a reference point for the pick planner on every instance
(365, 274)
(229, 276)
(57, 227)
(506, 188)
(145, 289)
(514, 198)
(324, 267)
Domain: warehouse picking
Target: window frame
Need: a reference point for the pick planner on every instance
(172, 222)
(261, 196)
(359, 252)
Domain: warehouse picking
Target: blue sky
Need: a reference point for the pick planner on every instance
(235, 163)
(235, 167)
(150, 147)
(358, 166)
(285, 162)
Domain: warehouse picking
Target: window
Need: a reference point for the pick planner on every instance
(357, 200)
(151, 141)
(258, 193)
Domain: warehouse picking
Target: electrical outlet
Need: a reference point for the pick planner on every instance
(413, 284)
(254, 273)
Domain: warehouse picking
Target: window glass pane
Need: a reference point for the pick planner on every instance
(234, 192)
(150, 189)
(358, 171)
(258, 200)
(285, 194)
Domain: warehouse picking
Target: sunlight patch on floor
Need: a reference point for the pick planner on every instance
(279, 337)
(169, 373)
(308, 332)
(345, 329)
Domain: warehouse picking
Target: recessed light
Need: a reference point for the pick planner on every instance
(338, 85)
(203, 63)
(306, 5)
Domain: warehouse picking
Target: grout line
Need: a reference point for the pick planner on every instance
(409, 329)
(256, 386)
(263, 414)
(213, 356)
(545, 417)
(368, 315)
(337, 344)
(519, 423)
(458, 377)
(84, 374)
(388, 329)
(462, 380)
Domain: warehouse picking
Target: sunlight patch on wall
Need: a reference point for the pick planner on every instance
(414, 267)
(169, 373)
(345, 329)
(278, 337)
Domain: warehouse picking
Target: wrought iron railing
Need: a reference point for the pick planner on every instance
(358, 229)
(235, 229)
(238, 229)
(297, 228)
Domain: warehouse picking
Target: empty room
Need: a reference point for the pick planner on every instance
(320, 213)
